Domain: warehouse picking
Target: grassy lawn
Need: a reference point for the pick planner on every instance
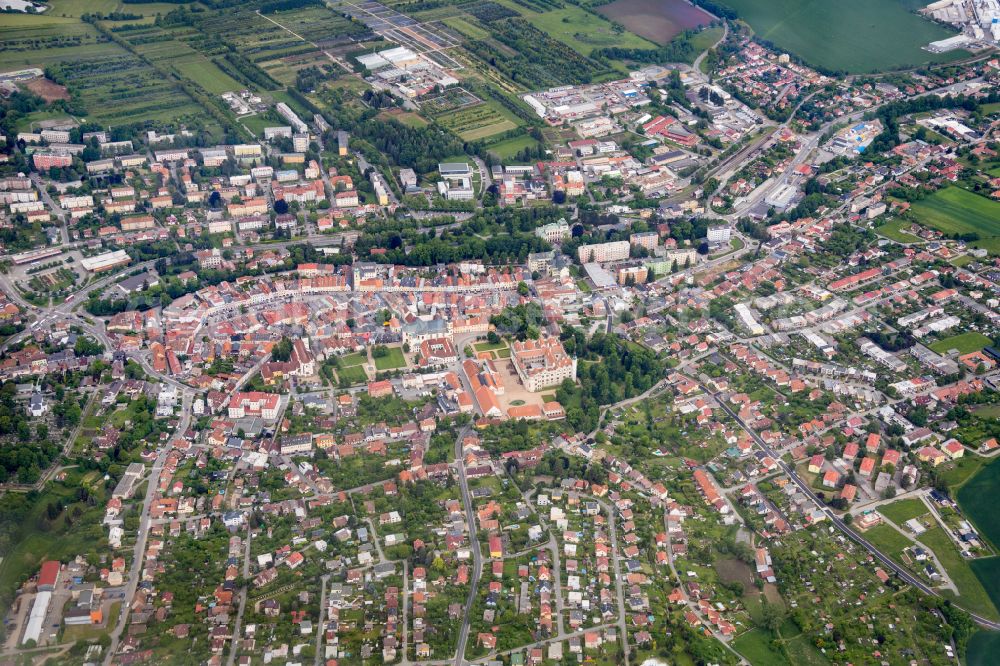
(893, 231)
(489, 346)
(960, 471)
(705, 39)
(958, 262)
(889, 541)
(357, 358)
(394, 359)
(851, 35)
(963, 342)
(755, 645)
(508, 148)
(354, 374)
(953, 210)
(903, 510)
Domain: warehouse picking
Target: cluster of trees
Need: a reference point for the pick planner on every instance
(250, 71)
(845, 240)
(496, 236)
(891, 342)
(285, 5)
(890, 113)
(521, 322)
(24, 450)
(282, 350)
(610, 370)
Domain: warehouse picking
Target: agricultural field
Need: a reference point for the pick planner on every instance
(530, 57)
(656, 20)
(983, 648)
(320, 25)
(478, 122)
(39, 41)
(166, 49)
(584, 32)
(963, 342)
(853, 36)
(953, 210)
(253, 36)
(987, 570)
(977, 496)
(450, 100)
(119, 88)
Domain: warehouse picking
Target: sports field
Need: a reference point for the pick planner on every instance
(845, 35)
(953, 210)
(963, 342)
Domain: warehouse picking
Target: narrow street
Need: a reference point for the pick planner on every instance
(477, 554)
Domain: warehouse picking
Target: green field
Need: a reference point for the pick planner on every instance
(583, 31)
(894, 231)
(953, 210)
(963, 342)
(982, 648)
(903, 510)
(976, 498)
(849, 35)
(394, 359)
(987, 571)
